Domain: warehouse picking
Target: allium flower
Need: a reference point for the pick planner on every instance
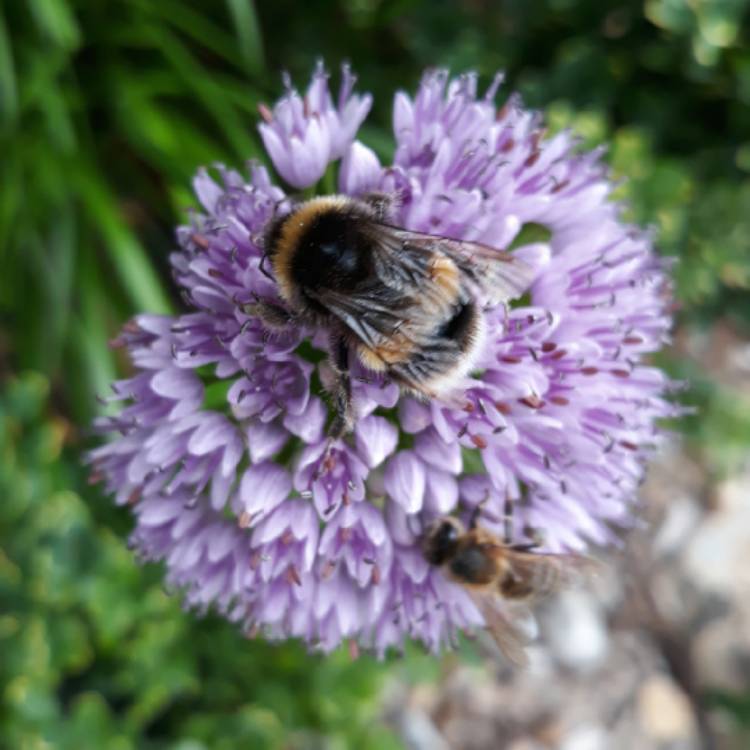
(303, 135)
(220, 444)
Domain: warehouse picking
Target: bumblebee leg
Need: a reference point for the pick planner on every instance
(262, 267)
(477, 511)
(537, 540)
(342, 390)
(272, 315)
(529, 547)
(508, 521)
(381, 203)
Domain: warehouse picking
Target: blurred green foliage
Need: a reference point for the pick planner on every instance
(96, 655)
(106, 110)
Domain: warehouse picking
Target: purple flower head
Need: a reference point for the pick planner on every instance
(220, 442)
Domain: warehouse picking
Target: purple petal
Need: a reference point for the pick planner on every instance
(405, 481)
(376, 438)
(157, 512)
(413, 415)
(308, 425)
(177, 384)
(212, 433)
(207, 190)
(274, 524)
(265, 440)
(223, 539)
(263, 487)
(441, 493)
(360, 170)
(432, 449)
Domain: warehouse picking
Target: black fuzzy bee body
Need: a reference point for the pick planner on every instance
(406, 303)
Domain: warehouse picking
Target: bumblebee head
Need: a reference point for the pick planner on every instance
(440, 541)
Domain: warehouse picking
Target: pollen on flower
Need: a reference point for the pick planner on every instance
(220, 444)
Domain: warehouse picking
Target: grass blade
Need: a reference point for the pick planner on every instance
(248, 34)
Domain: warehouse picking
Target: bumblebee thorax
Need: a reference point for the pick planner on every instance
(322, 244)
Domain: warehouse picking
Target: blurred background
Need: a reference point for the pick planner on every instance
(106, 111)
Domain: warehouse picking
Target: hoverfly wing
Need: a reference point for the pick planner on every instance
(498, 275)
(536, 575)
(510, 639)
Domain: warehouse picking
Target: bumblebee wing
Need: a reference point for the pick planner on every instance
(417, 280)
(511, 640)
(372, 313)
(536, 575)
(495, 274)
(395, 326)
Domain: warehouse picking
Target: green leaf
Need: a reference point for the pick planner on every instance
(129, 259)
(248, 34)
(56, 21)
(8, 85)
(206, 88)
(529, 233)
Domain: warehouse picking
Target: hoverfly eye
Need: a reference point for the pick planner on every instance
(447, 532)
(441, 542)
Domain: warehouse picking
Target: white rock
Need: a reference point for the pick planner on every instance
(664, 710)
(576, 632)
(720, 653)
(588, 737)
(677, 601)
(681, 517)
(607, 582)
(527, 744)
(739, 357)
(419, 733)
(718, 556)
(733, 494)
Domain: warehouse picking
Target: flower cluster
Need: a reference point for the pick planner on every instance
(220, 441)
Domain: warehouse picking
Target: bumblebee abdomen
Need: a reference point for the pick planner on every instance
(461, 325)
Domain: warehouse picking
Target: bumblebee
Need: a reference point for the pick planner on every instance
(405, 304)
(503, 579)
